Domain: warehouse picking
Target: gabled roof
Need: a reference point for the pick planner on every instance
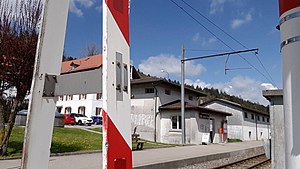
(91, 62)
(176, 105)
(156, 81)
(233, 104)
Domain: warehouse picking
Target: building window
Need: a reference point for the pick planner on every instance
(252, 116)
(263, 119)
(58, 109)
(61, 98)
(69, 97)
(176, 122)
(82, 96)
(98, 111)
(268, 120)
(81, 110)
(191, 97)
(149, 90)
(167, 92)
(99, 96)
(258, 118)
(246, 115)
(68, 110)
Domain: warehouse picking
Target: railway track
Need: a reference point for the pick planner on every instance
(256, 162)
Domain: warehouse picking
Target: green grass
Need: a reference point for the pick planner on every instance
(150, 144)
(63, 140)
(98, 129)
(69, 140)
(72, 140)
(233, 140)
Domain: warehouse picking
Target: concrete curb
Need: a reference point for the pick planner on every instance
(78, 153)
(58, 154)
(196, 160)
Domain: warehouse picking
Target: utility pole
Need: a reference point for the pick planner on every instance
(182, 97)
(183, 60)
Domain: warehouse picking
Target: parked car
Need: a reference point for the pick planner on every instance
(81, 119)
(69, 119)
(97, 119)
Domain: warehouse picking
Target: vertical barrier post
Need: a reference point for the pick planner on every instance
(116, 86)
(38, 132)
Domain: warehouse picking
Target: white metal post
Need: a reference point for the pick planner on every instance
(40, 118)
(290, 49)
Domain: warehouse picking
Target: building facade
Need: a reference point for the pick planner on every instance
(244, 124)
(86, 104)
(156, 115)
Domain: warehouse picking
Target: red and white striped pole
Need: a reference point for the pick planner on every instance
(290, 48)
(117, 152)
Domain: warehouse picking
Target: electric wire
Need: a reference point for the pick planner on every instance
(185, 11)
(199, 50)
(214, 24)
(222, 30)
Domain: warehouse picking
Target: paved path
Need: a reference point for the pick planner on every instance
(140, 158)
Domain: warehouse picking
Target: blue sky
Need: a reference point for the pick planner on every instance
(158, 28)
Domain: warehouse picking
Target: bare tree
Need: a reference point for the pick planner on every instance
(92, 49)
(18, 41)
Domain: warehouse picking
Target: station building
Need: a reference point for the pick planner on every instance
(156, 112)
(244, 124)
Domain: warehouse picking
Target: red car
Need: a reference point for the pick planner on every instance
(69, 119)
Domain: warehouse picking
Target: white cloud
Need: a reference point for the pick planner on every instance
(246, 18)
(212, 40)
(86, 3)
(83, 3)
(217, 6)
(74, 9)
(171, 64)
(240, 86)
(99, 8)
(205, 42)
(196, 37)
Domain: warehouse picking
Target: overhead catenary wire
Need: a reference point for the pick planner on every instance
(197, 21)
(222, 30)
(199, 50)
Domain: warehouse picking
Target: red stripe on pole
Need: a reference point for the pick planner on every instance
(119, 154)
(286, 5)
(120, 12)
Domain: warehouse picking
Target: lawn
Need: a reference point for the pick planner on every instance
(98, 129)
(63, 140)
(68, 140)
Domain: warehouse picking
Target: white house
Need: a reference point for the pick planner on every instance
(244, 124)
(87, 104)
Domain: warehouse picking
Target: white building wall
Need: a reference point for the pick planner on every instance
(90, 104)
(195, 127)
(142, 117)
(240, 127)
(143, 108)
